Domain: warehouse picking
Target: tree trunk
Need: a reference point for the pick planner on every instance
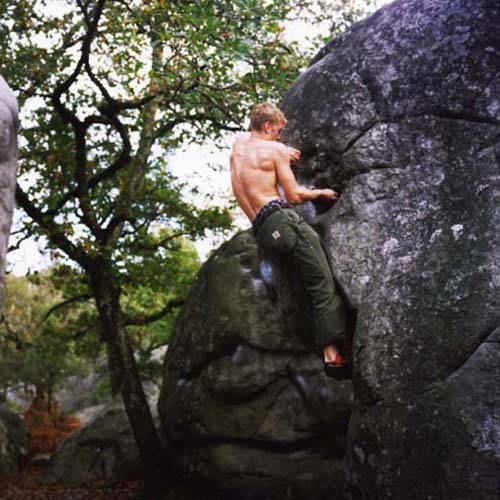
(125, 379)
(49, 397)
(41, 392)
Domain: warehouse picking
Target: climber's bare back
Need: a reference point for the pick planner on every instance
(253, 172)
(258, 163)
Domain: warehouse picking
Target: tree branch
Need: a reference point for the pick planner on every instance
(146, 140)
(62, 304)
(54, 232)
(82, 189)
(146, 320)
(67, 115)
(81, 333)
(204, 117)
(12, 248)
(220, 106)
(122, 161)
(79, 128)
(161, 243)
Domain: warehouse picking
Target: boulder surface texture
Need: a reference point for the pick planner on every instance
(402, 115)
(15, 442)
(244, 402)
(8, 163)
(105, 449)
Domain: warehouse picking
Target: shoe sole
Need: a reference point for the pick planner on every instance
(338, 372)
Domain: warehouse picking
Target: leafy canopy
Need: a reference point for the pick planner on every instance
(108, 89)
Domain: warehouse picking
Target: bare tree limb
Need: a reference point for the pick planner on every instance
(79, 128)
(54, 232)
(81, 333)
(122, 161)
(62, 304)
(162, 242)
(146, 320)
(67, 115)
(12, 248)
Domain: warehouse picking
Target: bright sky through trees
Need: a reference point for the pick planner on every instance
(205, 166)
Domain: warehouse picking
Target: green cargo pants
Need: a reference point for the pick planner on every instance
(285, 234)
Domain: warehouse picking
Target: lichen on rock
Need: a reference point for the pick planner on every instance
(401, 115)
(244, 402)
(414, 238)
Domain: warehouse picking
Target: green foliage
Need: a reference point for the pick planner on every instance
(37, 350)
(108, 89)
(47, 336)
(152, 283)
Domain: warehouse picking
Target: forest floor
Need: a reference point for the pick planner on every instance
(26, 485)
(49, 427)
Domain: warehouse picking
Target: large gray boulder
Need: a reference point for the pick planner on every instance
(15, 442)
(244, 401)
(402, 114)
(8, 162)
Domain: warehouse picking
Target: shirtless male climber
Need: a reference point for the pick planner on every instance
(258, 164)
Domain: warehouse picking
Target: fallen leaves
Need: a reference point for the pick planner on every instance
(48, 425)
(26, 485)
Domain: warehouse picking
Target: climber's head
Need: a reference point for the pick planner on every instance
(267, 118)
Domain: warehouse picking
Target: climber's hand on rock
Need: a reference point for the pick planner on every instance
(329, 194)
(293, 154)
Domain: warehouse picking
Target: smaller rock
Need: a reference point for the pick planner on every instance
(89, 414)
(103, 450)
(15, 442)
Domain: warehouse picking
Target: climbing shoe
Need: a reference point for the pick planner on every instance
(339, 369)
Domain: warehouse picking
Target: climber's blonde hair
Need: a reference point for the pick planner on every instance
(265, 112)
